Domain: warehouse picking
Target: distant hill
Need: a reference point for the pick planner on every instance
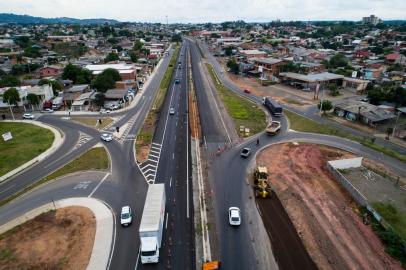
(26, 19)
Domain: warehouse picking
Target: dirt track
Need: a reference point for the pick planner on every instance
(322, 212)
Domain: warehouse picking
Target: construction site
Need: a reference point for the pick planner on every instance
(322, 216)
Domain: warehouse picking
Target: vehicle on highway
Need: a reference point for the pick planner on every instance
(171, 111)
(126, 217)
(273, 128)
(106, 137)
(104, 111)
(245, 152)
(114, 107)
(247, 91)
(177, 81)
(213, 265)
(28, 116)
(48, 110)
(234, 216)
(274, 107)
(152, 222)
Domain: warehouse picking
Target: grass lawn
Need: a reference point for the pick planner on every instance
(242, 111)
(146, 133)
(92, 121)
(94, 159)
(393, 216)
(300, 123)
(28, 142)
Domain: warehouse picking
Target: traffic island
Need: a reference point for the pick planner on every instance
(31, 142)
(74, 233)
(248, 118)
(94, 159)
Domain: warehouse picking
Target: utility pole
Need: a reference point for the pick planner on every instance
(396, 123)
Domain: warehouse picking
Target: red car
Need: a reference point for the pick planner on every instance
(247, 91)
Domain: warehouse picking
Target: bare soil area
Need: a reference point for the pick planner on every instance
(61, 239)
(322, 212)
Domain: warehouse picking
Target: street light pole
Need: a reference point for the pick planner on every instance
(396, 123)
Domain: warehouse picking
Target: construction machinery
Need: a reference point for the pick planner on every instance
(262, 187)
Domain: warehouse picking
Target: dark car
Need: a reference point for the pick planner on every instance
(177, 81)
(245, 152)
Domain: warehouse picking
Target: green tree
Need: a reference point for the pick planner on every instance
(43, 82)
(176, 38)
(106, 80)
(326, 105)
(134, 57)
(9, 81)
(32, 99)
(111, 57)
(138, 45)
(233, 65)
(228, 51)
(338, 60)
(76, 74)
(11, 96)
(99, 99)
(56, 87)
(333, 89)
(376, 95)
(32, 52)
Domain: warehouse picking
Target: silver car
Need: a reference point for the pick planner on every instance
(106, 137)
(28, 116)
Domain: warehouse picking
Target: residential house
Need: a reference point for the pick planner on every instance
(50, 71)
(269, 67)
(83, 102)
(253, 54)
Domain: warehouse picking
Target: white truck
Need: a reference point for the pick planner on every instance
(152, 222)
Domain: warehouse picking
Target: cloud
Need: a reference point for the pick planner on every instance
(209, 10)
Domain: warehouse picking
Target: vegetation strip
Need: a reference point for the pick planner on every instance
(300, 123)
(94, 159)
(28, 142)
(94, 121)
(242, 111)
(144, 137)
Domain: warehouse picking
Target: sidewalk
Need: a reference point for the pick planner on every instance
(103, 240)
(58, 141)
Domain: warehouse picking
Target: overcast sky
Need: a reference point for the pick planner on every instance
(208, 10)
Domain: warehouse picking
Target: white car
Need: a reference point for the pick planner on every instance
(28, 116)
(234, 216)
(103, 111)
(114, 107)
(126, 216)
(48, 110)
(171, 111)
(106, 137)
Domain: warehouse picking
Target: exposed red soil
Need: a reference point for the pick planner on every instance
(321, 210)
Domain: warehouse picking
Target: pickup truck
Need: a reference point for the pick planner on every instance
(273, 128)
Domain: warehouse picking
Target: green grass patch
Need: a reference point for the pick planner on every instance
(242, 111)
(28, 142)
(94, 159)
(300, 123)
(393, 216)
(144, 137)
(93, 121)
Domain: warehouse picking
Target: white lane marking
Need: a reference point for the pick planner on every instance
(4, 190)
(157, 144)
(173, 155)
(151, 155)
(114, 237)
(170, 182)
(187, 143)
(154, 151)
(166, 222)
(138, 258)
(98, 185)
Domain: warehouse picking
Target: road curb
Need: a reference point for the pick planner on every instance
(58, 141)
(103, 239)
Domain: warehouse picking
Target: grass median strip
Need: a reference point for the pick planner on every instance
(93, 121)
(28, 142)
(300, 123)
(94, 159)
(144, 137)
(242, 111)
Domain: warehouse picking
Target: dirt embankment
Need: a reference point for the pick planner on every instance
(61, 239)
(321, 210)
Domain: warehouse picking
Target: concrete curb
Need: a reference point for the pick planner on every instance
(103, 239)
(58, 141)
